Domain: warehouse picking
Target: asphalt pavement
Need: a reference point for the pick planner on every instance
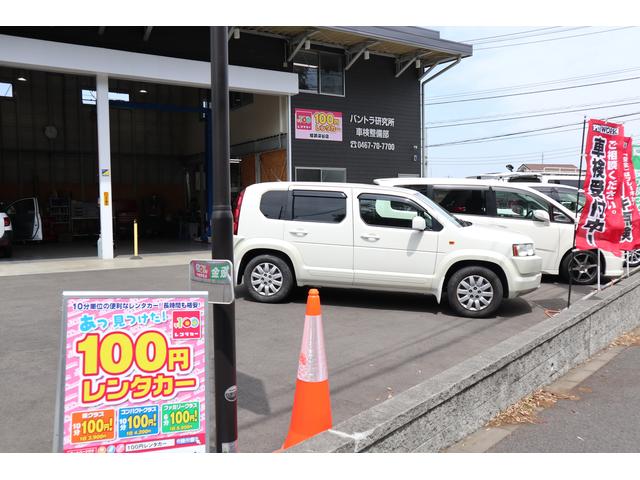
(378, 345)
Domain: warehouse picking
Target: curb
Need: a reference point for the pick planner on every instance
(439, 412)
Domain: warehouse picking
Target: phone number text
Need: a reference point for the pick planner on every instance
(372, 145)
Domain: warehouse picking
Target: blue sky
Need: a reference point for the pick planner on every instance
(534, 63)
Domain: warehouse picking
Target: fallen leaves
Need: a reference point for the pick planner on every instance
(627, 340)
(525, 411)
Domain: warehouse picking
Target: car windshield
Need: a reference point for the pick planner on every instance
(435, 207)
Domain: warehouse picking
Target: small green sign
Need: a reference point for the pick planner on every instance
(180, 417)
(635, 155)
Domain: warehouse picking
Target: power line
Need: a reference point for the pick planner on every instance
(508, 156)
(524, 132)
(471, 162)
(524, 112)
(536, 84)
(534, 116)
(553, 39)
(507, 34)
(537, 91)
(529, 36)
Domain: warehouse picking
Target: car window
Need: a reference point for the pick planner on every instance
(465, 201)
(568, 199)
(319, 206)
(390, 211)
(566, 181)
(273, 204)
(558, 216)
(513, 204)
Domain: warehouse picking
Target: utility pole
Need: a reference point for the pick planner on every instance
(224, 316)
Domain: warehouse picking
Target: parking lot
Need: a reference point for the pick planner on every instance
(378, 344)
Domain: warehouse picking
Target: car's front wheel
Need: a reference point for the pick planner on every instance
(474, 292)
(268, 279)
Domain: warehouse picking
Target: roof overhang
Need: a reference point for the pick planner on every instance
(408, 45)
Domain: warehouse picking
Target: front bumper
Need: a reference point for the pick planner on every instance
(524, 284)
(527, 276)
(613, 266)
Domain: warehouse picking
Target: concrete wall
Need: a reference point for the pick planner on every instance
(446, 408)
(260, 119)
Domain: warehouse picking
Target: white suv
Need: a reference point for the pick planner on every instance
(515, 207)
(372, 237)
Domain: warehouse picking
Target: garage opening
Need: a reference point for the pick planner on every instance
(160, 137)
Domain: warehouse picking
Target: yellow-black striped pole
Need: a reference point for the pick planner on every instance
(135, 240)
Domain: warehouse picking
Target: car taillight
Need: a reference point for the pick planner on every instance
(7, 222)
(236, 213)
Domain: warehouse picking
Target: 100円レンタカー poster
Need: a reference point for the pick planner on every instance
(134, 373)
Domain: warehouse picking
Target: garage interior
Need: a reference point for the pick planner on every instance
(160, 136)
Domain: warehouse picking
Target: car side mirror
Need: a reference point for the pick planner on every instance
(541, 216)
(418, 223)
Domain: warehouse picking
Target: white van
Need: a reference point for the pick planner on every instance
(514, 207)
(372, 237)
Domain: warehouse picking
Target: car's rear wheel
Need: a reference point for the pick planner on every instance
(474, 292)
(268, 279)
(580, 267)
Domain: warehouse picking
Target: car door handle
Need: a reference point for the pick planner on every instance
(371, 237)
(299, 232)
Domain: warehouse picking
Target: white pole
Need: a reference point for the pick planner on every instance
(598, 253)
(104, 166)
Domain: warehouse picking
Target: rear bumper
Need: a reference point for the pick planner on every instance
(5, 238)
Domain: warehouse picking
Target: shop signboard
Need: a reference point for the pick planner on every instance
(133, 372)
(318, 125)
(372, 132)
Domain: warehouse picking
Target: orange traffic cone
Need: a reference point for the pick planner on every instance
(311, 403)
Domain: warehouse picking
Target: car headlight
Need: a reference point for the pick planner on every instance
(523, 250)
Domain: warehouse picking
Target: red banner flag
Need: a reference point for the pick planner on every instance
(601, 223)
(630, 237)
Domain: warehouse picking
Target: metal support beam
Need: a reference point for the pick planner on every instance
(299, 42)
(356, 51)
(147, 33)
(425, 80)
(230, 34)
(409, 59)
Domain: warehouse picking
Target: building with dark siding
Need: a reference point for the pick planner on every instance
(118, 117)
